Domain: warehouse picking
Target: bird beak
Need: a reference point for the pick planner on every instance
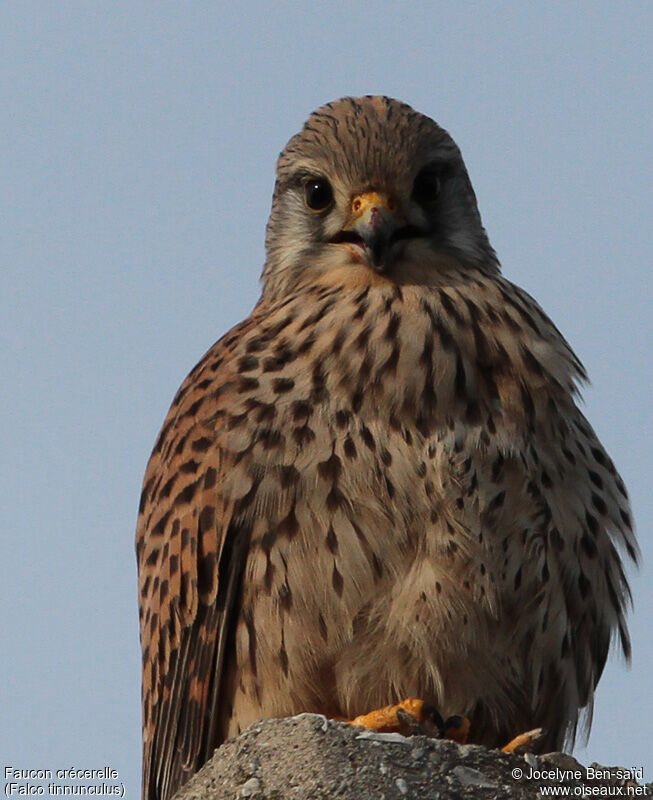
(373, 218)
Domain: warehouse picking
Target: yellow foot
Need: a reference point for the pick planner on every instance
(386, 719)
(525, 742)
(413, 716)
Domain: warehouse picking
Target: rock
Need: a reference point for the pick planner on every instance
(310, 758)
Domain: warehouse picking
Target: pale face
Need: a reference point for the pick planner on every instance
(372, 183)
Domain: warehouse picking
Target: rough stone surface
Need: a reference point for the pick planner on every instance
(310, 758)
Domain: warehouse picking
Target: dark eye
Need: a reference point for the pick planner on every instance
(427, 185)
(318, 194)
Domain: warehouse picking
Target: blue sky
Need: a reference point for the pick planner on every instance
(138, 146)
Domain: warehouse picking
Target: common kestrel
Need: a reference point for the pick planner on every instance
(378, 485)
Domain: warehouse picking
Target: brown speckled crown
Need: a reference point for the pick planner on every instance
(369, 142)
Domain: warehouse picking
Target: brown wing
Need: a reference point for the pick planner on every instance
(190, 558)
(588, 528)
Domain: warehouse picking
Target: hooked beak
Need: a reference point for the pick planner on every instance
(370, 226)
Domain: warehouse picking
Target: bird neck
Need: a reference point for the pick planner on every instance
(469, 349)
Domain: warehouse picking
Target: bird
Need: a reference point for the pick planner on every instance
(380, 484)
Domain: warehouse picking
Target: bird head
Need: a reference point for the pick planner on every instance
(370, 184)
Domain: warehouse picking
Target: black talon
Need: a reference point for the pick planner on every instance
(410, 725)
(452, 722)
(430, 725)
(432, 714)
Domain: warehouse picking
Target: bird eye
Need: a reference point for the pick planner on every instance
(318, 194)
(427, 185)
